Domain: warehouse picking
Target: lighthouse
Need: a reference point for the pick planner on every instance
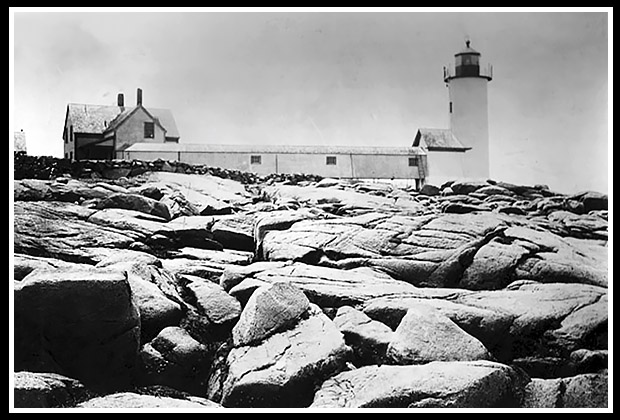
(468, 109)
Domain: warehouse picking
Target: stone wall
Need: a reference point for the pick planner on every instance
(47, 167)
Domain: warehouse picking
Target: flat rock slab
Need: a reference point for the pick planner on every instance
(59, 230)
(525, 319)
(226, 256)
(135, 202)
(475, 251)
(124, 400)
(477, 384)
(538, 309)
(25, 264)
(47, 390)
(225, 190)
(282, 370)
(329, 287)
(139, 226)
(313, 195)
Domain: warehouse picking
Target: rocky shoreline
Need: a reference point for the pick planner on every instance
(165, 285)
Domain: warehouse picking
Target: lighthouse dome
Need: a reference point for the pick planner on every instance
(467, 50)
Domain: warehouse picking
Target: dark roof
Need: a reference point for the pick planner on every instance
(280, 149)
(467, 50)
(438, 139)
(92, 119)
(96, 119)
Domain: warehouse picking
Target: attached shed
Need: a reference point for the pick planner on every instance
(446, 154)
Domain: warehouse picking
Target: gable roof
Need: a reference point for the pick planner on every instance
(438, 139)
(97, 119)
(92, 119)
(166, 120)
(126, 113)
(280, 149)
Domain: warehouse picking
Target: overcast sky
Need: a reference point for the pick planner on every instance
(313, 78)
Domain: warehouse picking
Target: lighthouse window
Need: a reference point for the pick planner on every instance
(450, 107)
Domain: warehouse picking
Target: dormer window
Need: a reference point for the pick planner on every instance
(149, 130)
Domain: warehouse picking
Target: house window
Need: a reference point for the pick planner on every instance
(255, 160)
(64, 135)
(71, 155)
(330, 160)
(66, 155)
(70, 133)
(413, 161)
(149, 130)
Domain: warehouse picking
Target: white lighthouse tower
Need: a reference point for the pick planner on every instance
(469, 122)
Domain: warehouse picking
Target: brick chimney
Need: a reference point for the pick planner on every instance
(139, 97)
(120, 101)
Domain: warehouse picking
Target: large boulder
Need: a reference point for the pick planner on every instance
(592, 200)
(581, 391)
(270, 309)
(157, 310)
(467, 187)
(212, 301)
(235, 232)
(80, 323)
(424, 335)
(47, 390)
(192, 231)
(283, 369)
(175, 359)
(486, 325)
(368, 338)
(477, 384)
